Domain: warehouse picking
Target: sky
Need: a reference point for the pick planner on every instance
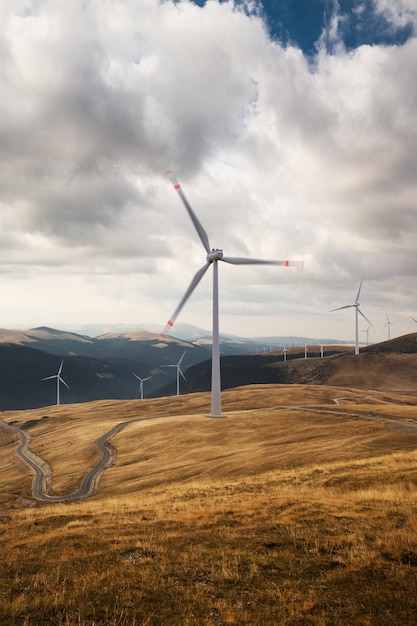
(291, 126)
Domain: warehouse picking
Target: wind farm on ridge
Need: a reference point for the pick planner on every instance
(312, 424)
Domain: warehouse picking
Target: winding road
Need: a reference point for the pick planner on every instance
(42, 482)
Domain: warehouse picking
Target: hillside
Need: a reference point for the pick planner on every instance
(109, 374)
(93, 370)
(298, 508)
(390, 365)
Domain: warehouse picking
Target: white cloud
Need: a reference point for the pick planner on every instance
(279, 156)
(399, 13)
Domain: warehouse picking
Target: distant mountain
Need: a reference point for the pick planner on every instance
(136, 344)
(102, 367)
(22, 370)
(140, 346)
(99, 368)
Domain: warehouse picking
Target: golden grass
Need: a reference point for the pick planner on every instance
(293, 510)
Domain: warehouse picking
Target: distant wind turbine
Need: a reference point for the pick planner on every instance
(388, 325)
(355, 305)
(213, 255)
(367, 335)
(284, 352)
(305, 351)
(321, 350)
(179, 371)
(58, 380)
(142, 380)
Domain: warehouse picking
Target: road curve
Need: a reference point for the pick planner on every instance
(42, 482)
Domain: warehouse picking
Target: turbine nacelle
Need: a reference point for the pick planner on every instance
(214, 255)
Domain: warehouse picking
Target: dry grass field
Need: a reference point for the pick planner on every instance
(297, 509)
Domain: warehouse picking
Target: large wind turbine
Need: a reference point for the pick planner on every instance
(355, 305)
(58, 380)
(179, 371)
(142, 380)
(213, 256)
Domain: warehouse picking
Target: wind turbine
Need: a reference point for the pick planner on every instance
(355, 305)
(305, 351)
(388, 324)
(179, 371)
(213, 256)
(284, 352)
(58, 380)
(142, 380)
(367, 335)
(321, 350)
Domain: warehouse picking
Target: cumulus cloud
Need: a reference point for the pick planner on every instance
(281, 156)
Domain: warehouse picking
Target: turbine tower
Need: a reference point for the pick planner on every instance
(213, 255)
(179, 371)
(58, 380)
(355, 305)
(142, 380)
(388, 325)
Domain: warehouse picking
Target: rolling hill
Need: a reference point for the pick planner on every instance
(298, 508)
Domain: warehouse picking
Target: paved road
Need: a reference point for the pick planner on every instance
(42, 482)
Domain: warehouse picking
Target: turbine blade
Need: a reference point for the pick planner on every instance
(183, 355)
(180, 371)
(364, 316)
(234, 260)
(136, 376)
(60, 367)
(339, 308)
(49, 377)
(197, 224)
(359, 291)
(197, 277)
(413, 318)
(63, 381)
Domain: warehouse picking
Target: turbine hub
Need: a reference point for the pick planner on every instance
(215, 255)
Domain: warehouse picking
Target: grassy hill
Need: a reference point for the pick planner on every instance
(298, 508)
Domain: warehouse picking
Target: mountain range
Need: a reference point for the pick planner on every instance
(102, 367)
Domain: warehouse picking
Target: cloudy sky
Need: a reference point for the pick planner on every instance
(290, 124)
